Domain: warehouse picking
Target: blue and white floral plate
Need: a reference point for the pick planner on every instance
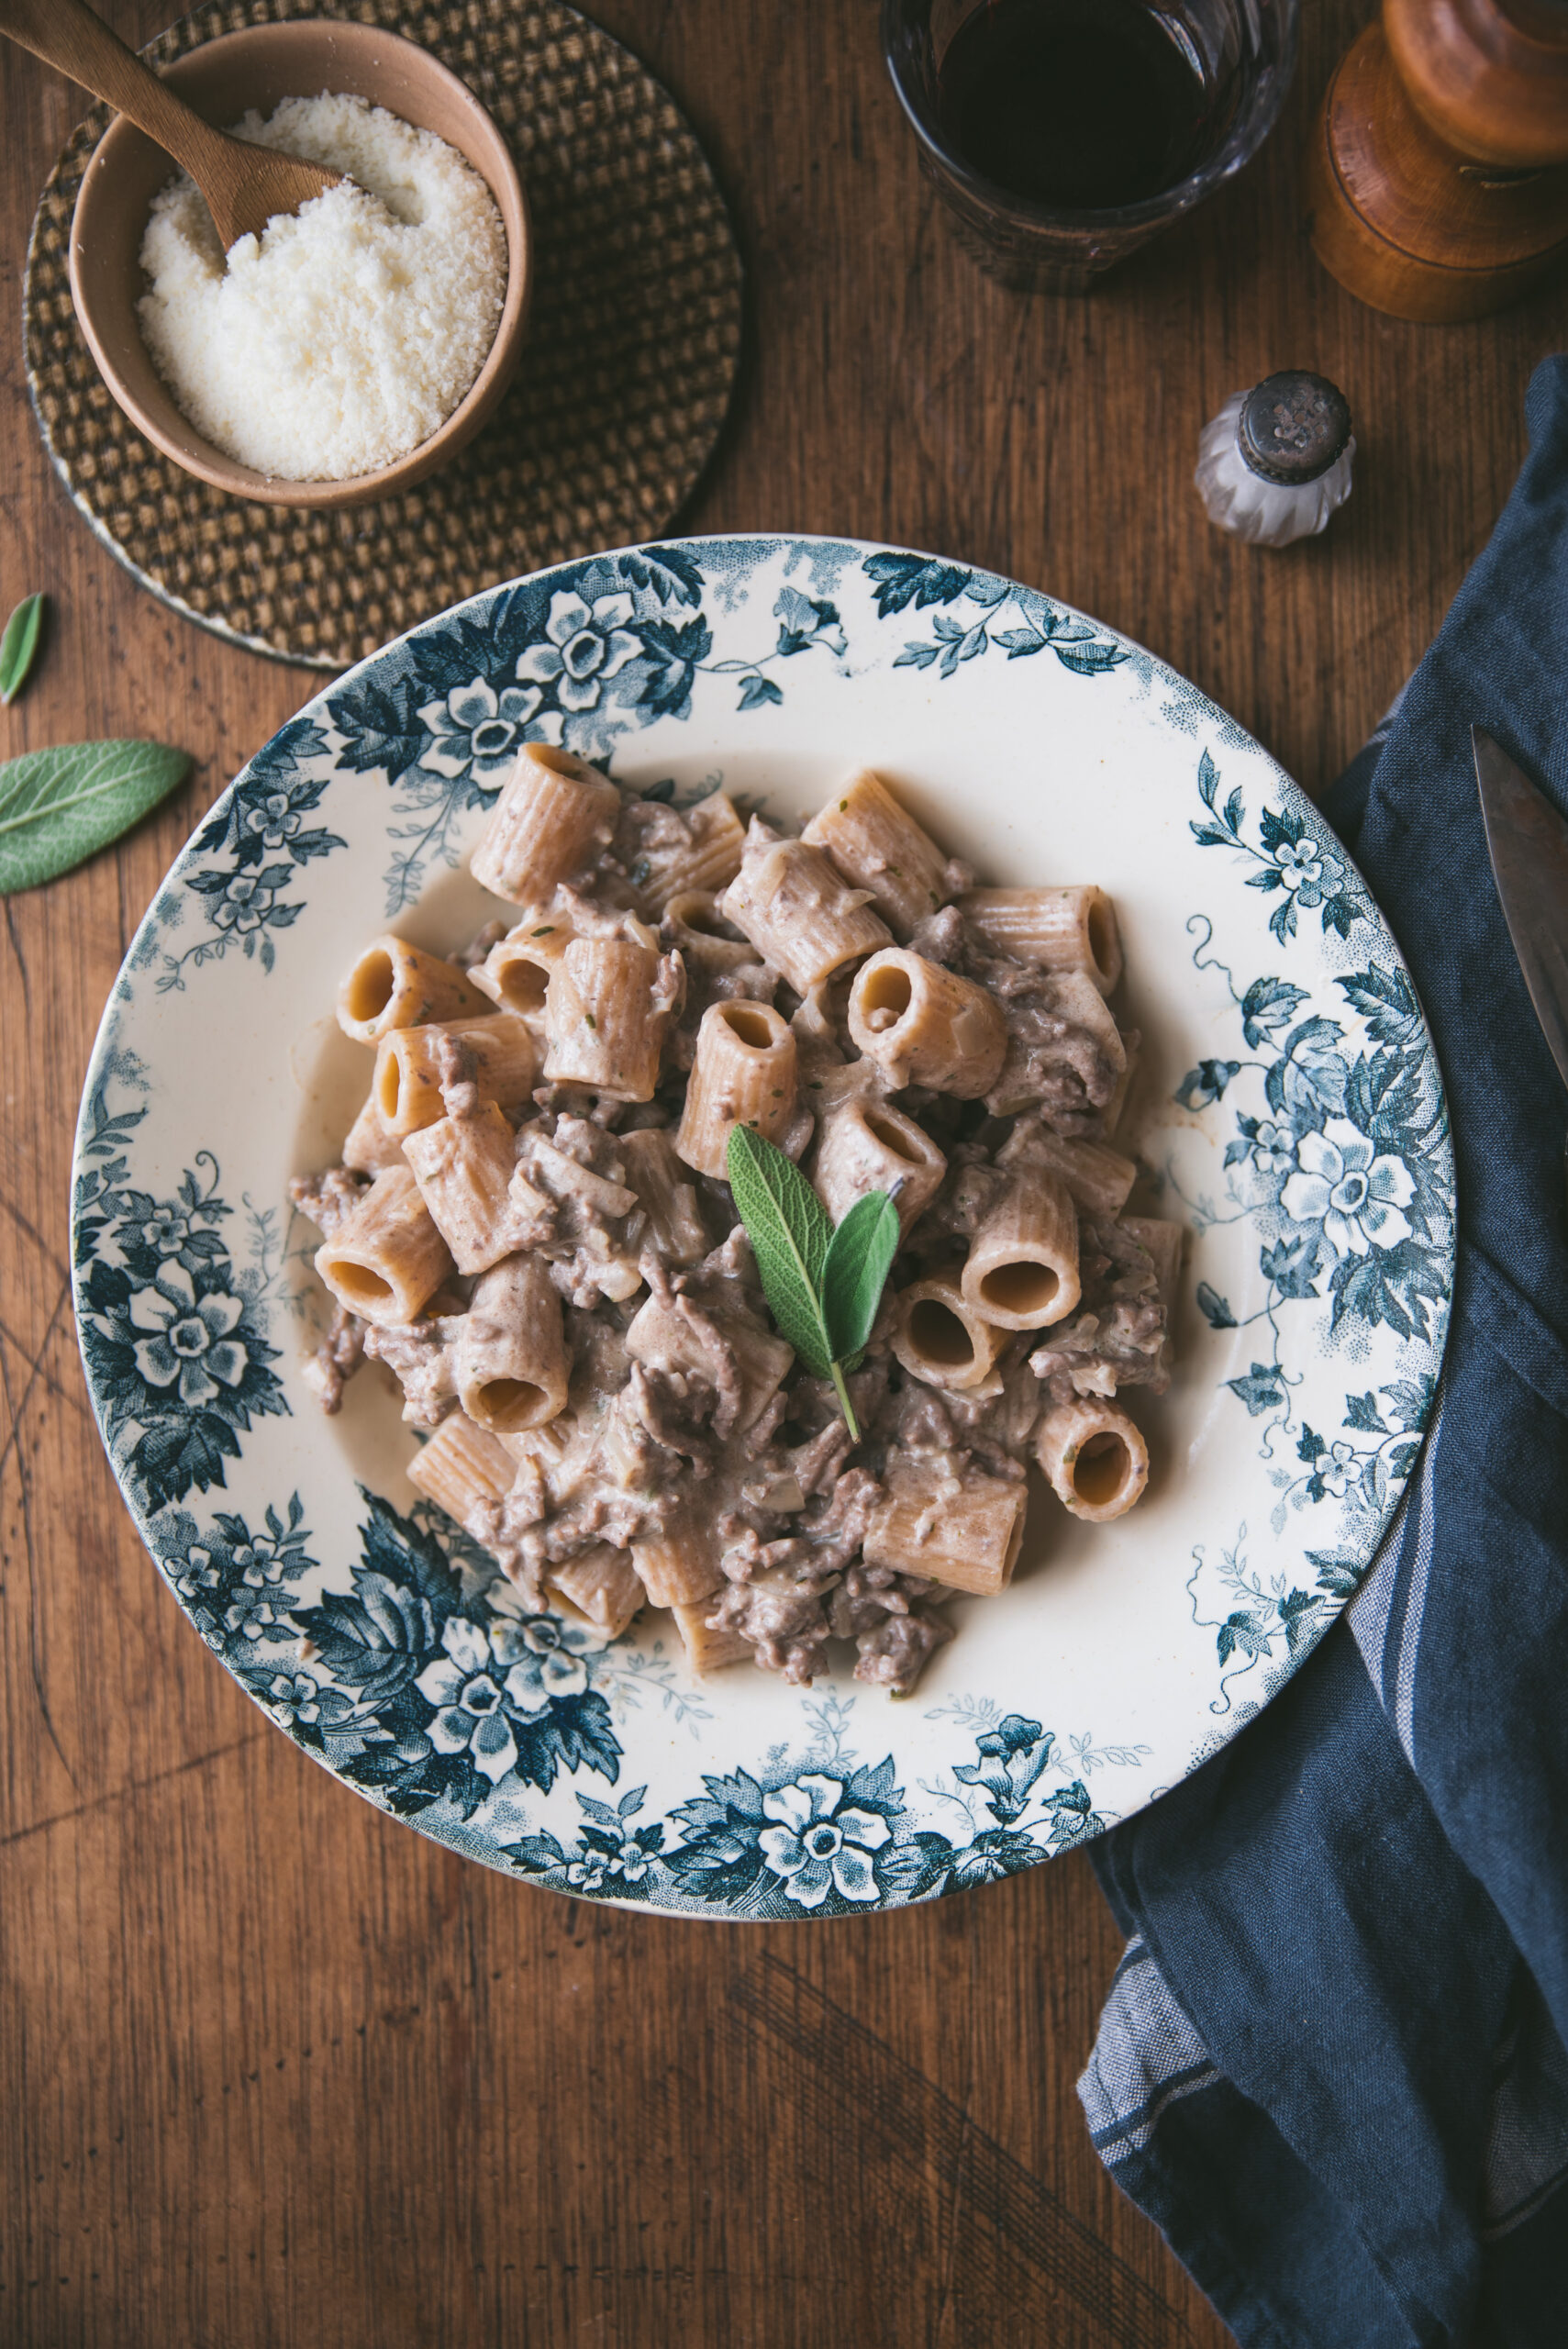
(1290, 1113)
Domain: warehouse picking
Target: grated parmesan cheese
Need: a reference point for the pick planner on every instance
(348, 333)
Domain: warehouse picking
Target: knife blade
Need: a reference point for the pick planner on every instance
(1528, 842)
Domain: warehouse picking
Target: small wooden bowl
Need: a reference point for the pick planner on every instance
(259, 68)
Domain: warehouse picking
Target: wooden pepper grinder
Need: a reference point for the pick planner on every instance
(1436, 175)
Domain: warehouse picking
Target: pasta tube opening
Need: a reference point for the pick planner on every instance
(744, 1073)
(1095, 1457)
(866, 1146)
(1059, 929)
(926, 1026)
(412, 1065)
(938, 1337)
(1022, 1267)
(386, 1259)
(393, 984)
(694, 927)
(516, 970)
(511, 1353)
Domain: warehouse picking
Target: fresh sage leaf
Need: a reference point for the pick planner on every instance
(823, 1287)
(859, 1259)
(19, 646)
(790, 1234)
(58, 806)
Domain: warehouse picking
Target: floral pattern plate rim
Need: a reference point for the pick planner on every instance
(1289, 1111)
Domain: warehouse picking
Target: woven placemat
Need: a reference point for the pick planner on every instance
(627, 367)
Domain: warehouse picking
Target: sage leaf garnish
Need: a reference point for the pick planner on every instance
(823, 1285)
(58, 806)
(790, 1234)
(19, 646)
(859, 1260)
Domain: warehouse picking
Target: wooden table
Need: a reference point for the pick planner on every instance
(277, 2070)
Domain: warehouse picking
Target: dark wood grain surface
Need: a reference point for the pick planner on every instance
(278, 2071)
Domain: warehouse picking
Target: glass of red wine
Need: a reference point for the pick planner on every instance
(1063, 134)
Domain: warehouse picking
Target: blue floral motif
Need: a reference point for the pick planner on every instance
(815, 1834)
(585, 646)
(904, 579)
(477, 731)
(264, 815)
(1258, 1622)
(174, 1335)
(237, 1586)
(465, 1688)
(819, 1843)
(1296, 858)
(1345, 1162)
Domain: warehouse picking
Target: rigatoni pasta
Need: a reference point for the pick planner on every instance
(510, 1358)
(607, 1008)
(464, 1167)
(1094, 1456)
(940, 1338)
(744, 1075)
(553, 812)
(949, 1523)
(1021, 1272)
(926, 1025)
(793, 905)
(386, 1259)
(1061, 929)
(393, 984)
(410, 1063)
(867, 1146)
(532, 1225)
(878, 845)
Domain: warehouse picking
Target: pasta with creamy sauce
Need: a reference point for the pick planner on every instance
(531, 1226)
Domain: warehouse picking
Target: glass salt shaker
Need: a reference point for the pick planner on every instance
(1276, 463)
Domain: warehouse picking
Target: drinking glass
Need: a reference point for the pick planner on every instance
(1242, 50)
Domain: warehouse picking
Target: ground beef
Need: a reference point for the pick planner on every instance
(892, 1654)
(421, 1359)
(1117, 1336)
(329, 1200)
(1056, 1067)
(782, 1617)
(336, 1358)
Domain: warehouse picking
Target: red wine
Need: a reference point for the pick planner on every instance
(1078, 104)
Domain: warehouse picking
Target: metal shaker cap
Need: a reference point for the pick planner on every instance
(1292, 427)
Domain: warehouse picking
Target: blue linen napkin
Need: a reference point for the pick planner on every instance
(1333, 2066)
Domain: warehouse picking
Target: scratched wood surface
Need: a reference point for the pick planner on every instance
(277, 2071)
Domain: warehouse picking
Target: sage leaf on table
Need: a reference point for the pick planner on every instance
(58, 806)
(19, 646)
(823, 1285)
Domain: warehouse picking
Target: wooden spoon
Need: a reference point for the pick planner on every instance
(244, 185)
